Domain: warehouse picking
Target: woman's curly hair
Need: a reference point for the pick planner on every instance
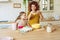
(33, 3)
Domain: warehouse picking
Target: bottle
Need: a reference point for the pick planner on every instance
(13, 26)
(49, 28)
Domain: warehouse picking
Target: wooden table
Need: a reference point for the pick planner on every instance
(33, 35)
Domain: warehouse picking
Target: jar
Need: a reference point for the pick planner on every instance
(49, 27)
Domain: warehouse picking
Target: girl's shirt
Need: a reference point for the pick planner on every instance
(22, 22)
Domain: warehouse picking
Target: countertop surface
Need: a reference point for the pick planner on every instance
(32, 35)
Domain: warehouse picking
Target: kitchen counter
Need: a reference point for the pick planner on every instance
(32, 35)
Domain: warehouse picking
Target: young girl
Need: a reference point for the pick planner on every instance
(22, 22)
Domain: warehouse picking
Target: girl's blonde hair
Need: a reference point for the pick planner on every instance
(20, 14)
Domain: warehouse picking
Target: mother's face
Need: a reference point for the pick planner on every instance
(33, 7)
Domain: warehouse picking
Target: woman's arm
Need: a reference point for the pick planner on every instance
(41, 16)
(28, 24)
(30, 16)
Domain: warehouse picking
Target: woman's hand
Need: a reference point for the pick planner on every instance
(29, 16)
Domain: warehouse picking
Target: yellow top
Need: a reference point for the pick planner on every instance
(34, 19)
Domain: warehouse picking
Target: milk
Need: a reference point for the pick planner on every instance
(49, 28)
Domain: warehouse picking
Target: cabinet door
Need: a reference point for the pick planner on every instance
(46, 5)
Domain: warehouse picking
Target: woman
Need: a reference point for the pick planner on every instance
(34, 15)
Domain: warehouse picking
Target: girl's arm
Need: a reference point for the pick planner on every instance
(17, 24)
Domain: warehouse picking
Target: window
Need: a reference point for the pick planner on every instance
(46, 5)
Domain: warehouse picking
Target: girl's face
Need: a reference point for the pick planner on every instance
(23, 16)
(33, 7)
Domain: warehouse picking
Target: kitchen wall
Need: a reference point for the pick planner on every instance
(8, 12)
